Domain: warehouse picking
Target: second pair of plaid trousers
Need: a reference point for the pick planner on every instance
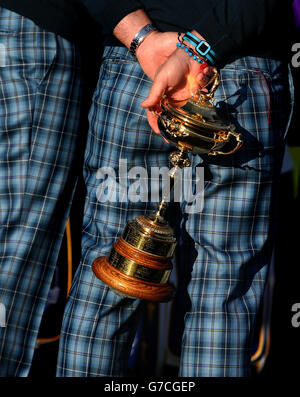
(41, 92)
(225, 248)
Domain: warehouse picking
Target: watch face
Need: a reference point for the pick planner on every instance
(203, 48)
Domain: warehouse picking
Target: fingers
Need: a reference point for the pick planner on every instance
(175, 102)
(156, 93)
(204, 76)
(202, 79)
(208, 70)
(152, 120)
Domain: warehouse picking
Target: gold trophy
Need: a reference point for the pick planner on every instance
(140, 261)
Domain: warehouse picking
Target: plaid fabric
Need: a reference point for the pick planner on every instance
(225, 249)
(40, 88)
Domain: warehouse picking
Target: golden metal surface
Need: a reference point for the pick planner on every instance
(150, 241)
(139, 272)
(196, 126)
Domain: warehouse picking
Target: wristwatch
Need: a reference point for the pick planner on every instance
(140, 37)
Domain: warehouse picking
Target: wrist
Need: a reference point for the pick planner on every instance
(158, 43)
(190, 51)
(145, 43)
(195, 33)
(130, 25)
(199, 46)
(140, 37)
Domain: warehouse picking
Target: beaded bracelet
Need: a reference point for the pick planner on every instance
(190, 52)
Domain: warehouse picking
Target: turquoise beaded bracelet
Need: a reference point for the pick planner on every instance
(190, 52)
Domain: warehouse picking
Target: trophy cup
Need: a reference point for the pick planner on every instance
(140, 261)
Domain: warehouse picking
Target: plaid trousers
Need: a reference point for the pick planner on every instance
(225, 249)
(40, 107)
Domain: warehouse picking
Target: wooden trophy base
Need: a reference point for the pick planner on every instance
(128, 286)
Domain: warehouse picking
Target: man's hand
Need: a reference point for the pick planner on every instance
(178, 78)
(173, 72)
(155, 48)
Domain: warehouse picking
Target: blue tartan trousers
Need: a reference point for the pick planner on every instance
(40, 107)
(225, 248)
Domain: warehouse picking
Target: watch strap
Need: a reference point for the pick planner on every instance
(140, 37)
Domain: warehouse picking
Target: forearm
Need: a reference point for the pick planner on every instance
(130, 25)
(127, 28)
(154, 52)
(155, 48)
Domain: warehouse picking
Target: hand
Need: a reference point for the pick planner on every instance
(178, 78)
(155, 50)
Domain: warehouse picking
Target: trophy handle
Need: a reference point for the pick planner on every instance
(202, 97)
(239, 143)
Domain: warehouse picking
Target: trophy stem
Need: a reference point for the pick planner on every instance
(163, 205)
(179, 159)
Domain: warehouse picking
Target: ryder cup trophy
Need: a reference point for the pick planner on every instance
(140, 262)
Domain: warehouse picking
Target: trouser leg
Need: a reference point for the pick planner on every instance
(40, 108)
(234, 233)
